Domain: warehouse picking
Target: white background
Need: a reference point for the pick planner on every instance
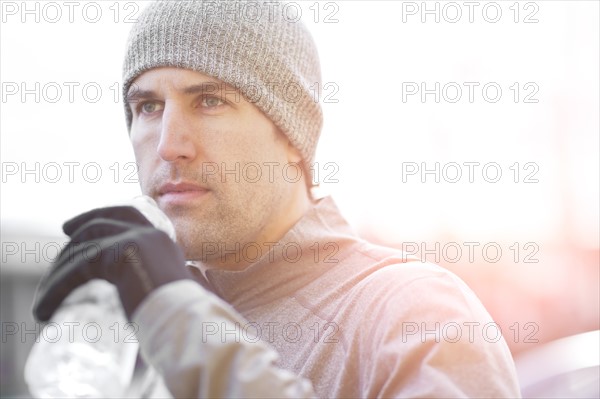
(369, 53)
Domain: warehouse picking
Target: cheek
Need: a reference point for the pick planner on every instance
(144, 150)
(256, 138)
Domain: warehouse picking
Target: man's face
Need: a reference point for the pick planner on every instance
(211, 160)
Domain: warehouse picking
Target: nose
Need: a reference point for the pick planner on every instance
(176, 137)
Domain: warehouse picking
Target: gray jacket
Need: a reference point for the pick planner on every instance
(324, 314)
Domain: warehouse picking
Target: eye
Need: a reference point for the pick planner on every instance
(149, 107)
(211, 102)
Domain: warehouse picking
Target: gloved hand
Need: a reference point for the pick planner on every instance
(117, 244)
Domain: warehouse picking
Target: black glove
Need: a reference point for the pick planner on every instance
(117, 244)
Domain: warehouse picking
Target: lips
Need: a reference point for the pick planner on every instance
(179, 187)
(180, 193)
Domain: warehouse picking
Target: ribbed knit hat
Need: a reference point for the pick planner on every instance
(260, 48)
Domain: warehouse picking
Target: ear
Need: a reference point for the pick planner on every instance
(293, 154)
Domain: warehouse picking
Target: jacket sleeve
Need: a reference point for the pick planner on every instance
(198, 345)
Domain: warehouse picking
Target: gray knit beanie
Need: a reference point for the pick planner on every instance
(260, 48)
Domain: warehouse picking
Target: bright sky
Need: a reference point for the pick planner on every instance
(379, 135)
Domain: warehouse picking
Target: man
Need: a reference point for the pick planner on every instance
(220, 112)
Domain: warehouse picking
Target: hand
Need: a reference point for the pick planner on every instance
(117, 244)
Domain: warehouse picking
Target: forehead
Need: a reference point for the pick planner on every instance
(180, 80)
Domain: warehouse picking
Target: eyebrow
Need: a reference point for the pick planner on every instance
(135, 94)
(210, 87)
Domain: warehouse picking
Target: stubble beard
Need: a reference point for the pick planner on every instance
(212, 231)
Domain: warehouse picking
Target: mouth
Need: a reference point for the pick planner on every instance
(182, 193)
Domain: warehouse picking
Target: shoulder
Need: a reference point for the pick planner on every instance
(422, 289)
(382, 272)
(388, 291)
(420, 320)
